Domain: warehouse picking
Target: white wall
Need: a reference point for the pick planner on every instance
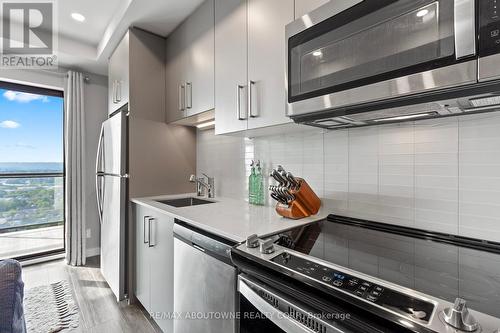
(96, 92)
(96, 111)
(441, 175)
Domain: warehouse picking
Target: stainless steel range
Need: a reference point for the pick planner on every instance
(350, 275)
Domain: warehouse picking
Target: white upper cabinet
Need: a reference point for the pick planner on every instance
(176, 71)
(200, 61)
(303, 7)
(118, 76)
(190, 65)
(230, 66)
(250, 63)
(266, 61)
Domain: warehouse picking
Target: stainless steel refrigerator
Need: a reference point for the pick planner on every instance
(111, 188)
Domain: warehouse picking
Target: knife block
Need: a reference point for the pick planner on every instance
(306, 203)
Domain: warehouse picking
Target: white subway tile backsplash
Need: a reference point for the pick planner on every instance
(441, 174)
(479, 171)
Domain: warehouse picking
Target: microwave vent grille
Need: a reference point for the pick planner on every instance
(485, 101)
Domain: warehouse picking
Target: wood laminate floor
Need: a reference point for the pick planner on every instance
(99, 311)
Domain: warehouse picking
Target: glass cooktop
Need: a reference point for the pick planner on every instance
(435, 264)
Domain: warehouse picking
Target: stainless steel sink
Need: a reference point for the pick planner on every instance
(184, 202)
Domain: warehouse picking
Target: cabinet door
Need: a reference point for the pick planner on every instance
(118, 76)
(176, 64)
(230, 65)
(162, 265)
(200, 68)
(142, 279)
(303, 7)
(266, 61)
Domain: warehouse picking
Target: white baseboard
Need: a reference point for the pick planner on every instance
(92, 252)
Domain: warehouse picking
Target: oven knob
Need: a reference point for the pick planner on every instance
(253, 241)
(459, 317)
(267, 246)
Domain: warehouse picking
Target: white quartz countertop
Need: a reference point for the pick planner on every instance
(229, 218)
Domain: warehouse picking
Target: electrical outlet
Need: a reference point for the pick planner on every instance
(89, 233)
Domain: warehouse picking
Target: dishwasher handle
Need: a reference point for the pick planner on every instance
(204, 241)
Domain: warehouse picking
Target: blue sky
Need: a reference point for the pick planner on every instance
(31, 127)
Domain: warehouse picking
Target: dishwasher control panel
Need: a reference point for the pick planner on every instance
(389, 299)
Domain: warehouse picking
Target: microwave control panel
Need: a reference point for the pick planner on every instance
(489, 27)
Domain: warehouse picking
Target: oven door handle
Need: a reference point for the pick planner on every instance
(279, 318)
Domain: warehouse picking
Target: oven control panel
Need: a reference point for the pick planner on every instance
(489, 27)
(403, 304)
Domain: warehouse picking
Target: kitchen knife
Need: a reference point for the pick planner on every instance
(282, 181)
(286, 193)
(278, 198)
(283, 175)
(291, 179)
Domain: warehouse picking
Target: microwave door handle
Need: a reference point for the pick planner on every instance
(281, 319)
(465, 28)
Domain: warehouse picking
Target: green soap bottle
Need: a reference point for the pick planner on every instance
(251, 184)
(259, 186)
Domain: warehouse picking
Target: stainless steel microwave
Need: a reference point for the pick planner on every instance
(349, 57)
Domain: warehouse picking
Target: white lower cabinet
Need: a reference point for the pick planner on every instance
(155, 264)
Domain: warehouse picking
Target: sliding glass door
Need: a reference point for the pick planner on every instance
(31, 171)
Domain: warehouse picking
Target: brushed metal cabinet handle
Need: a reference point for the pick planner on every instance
(118, 91)
(114, 92)
(151, 244)
(146, 241)
(239, 88)
(182, 100)
(250, 100)
(189, 95)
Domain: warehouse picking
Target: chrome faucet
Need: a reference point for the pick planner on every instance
(201, 185)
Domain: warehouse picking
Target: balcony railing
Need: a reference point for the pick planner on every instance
(31, 214)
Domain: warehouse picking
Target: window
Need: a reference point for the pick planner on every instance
(31, 171)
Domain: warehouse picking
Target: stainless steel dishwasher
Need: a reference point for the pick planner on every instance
(204, 282)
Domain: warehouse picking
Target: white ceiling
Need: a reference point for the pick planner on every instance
(97, 13)
(88, 45)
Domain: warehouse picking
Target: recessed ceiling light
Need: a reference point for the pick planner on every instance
(422, 13)
(317, 53)
(78, 17)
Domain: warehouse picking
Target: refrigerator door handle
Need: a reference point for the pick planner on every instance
(98, 175)
(99, 191)
(99, 159)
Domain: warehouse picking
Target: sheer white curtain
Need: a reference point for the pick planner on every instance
(75, 169)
